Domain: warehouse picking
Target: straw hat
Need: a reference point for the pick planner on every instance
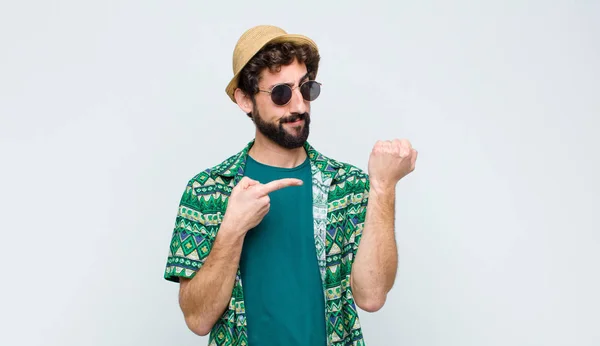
(252, 41)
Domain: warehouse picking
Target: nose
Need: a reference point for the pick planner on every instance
(297, 104)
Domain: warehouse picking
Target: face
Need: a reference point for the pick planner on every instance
(287, 125)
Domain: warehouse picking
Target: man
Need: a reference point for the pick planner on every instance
(278, 244)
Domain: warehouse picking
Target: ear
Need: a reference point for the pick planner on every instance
(243, 101)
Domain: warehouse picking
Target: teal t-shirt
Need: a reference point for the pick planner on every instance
(284, 299)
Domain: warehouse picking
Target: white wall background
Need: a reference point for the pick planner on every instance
(107, 108)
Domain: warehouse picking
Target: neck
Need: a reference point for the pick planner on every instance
(266, 152)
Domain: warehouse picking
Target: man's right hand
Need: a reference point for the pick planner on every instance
(249, 202)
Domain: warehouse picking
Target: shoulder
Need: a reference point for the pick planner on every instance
(215, 175)
(206, 195)
(348, 177)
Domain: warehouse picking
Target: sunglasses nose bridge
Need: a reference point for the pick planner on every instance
(296, 103)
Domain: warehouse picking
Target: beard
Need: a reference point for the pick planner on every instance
(279, 135)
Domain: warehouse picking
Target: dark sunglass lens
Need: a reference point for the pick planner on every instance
(281, 94)
(310, 90)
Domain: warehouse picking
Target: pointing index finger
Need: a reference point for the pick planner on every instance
(279, 184)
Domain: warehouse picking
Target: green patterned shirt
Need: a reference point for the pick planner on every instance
(340, 196)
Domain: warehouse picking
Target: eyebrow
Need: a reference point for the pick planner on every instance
(292, 84)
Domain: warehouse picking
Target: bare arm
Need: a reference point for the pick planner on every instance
(376, 263)
(374, 268)
(204, 298)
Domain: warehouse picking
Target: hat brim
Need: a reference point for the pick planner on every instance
(293, 38)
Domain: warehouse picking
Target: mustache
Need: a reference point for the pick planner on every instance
(294, 117)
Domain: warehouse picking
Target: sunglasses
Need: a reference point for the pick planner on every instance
(281, 94)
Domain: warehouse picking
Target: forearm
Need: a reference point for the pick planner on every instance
(374, 269)
(204, 298)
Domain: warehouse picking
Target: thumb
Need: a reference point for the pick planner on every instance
(247, 182)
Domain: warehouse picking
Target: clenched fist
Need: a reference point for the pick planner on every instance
(249, 202)
(390, 161)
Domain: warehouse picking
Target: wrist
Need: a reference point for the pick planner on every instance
(230, 230)
(382, 188)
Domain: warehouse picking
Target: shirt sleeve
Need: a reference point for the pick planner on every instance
(361, 198)
(191, 240)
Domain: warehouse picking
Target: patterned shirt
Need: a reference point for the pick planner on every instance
(340, 197)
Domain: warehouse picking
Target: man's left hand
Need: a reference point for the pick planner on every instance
(390, 161)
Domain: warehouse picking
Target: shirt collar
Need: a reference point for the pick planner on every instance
(234, 166)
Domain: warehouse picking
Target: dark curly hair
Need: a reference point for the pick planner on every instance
(273, 56)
